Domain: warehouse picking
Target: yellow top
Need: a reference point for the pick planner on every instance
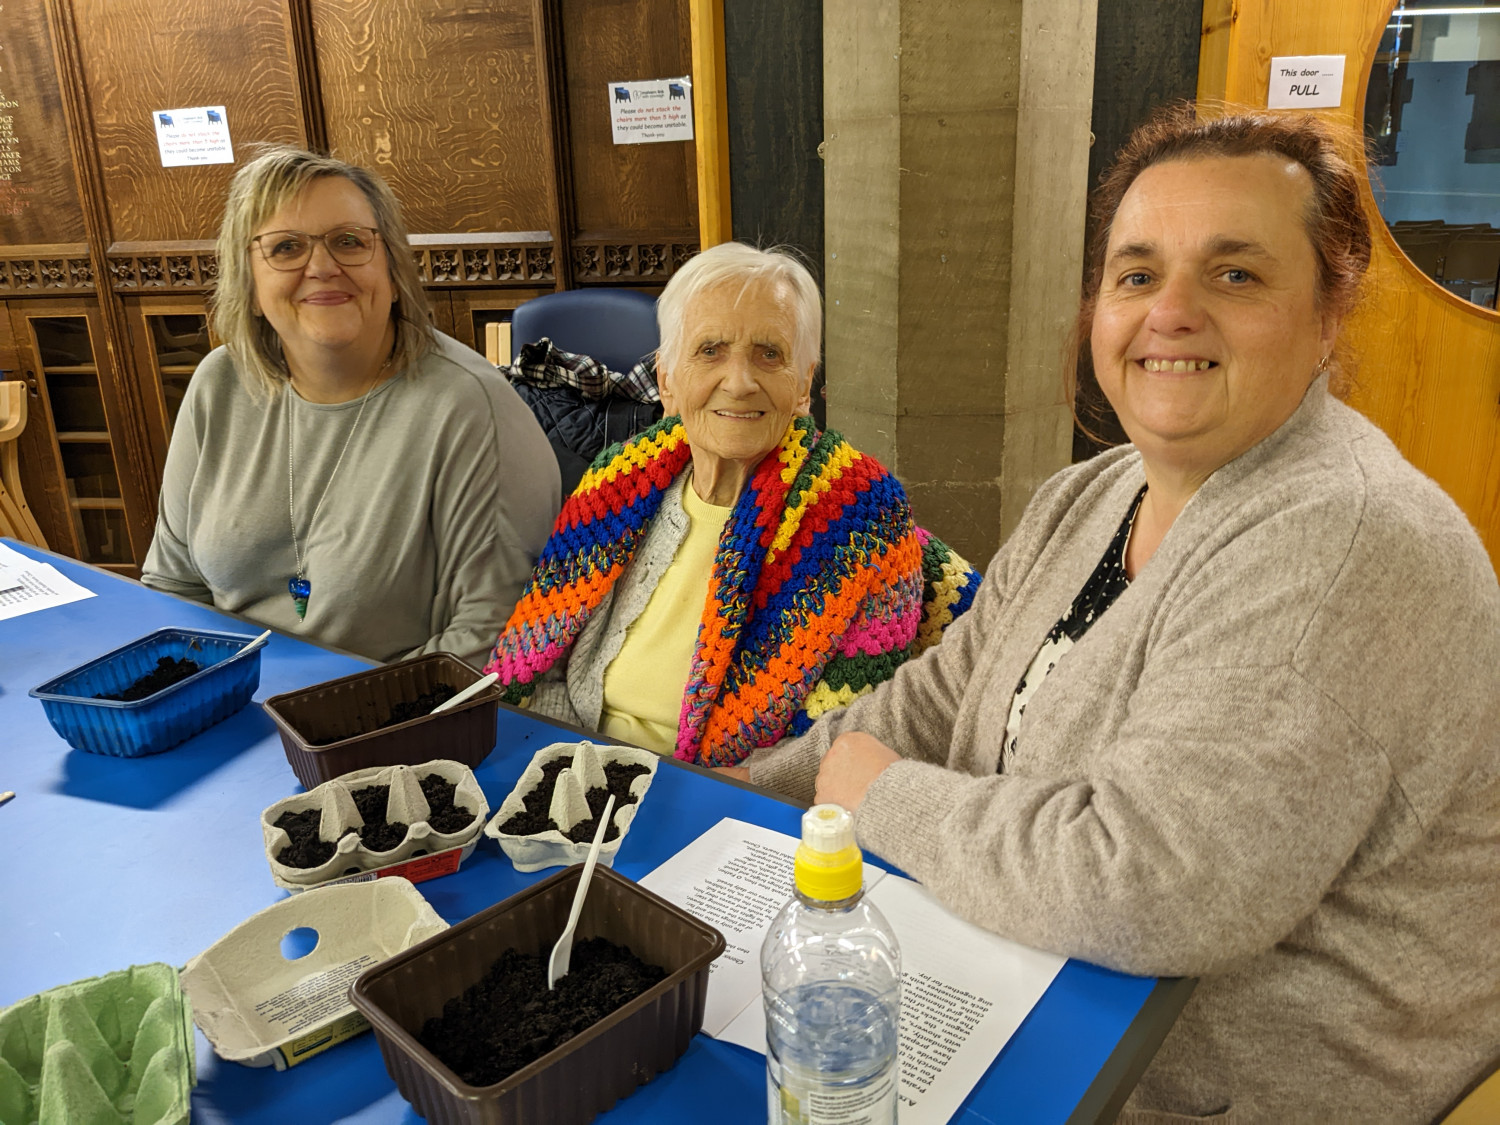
(643, 683)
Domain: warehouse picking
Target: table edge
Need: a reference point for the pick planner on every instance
(1117, 1078)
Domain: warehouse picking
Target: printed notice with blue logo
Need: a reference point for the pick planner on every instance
(647, 112)
(193, 136)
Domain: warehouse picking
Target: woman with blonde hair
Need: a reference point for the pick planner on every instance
(340, 469)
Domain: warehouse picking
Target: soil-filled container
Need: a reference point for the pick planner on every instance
(117, 1047)
(591, 1071)
(391, 820)
(223, 684)
(570, 797)
(258, 1007)
(343, 725)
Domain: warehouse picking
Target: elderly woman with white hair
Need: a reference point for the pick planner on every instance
(722, 579)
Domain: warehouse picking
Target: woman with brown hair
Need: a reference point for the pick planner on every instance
(339, 468)
(1228, 702)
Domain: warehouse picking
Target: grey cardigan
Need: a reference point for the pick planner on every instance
(573, 689)
(1274, 764)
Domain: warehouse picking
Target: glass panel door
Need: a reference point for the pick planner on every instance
(1432, 115)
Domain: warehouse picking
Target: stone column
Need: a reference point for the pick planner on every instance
(956, 149)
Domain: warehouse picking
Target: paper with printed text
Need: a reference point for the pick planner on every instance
(964, 991)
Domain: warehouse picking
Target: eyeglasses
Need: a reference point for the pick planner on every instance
(290, 249)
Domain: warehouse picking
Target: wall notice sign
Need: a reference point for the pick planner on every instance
(1306, 82)
(193, 136)
(644, 112)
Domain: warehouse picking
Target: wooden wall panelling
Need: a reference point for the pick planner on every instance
(444, 101)
(468, 302)
(469, 260)
(551, 65)
(165, 364)
(139, 471)
(42, 241)
(1427, 364)
(38, 193)
(441, 303)
(140, 56)
(636, 206)
(309, 82)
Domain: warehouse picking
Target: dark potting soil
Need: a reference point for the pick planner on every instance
(305, 850)
(401, 711)
(510, 1019)
(168, 671)
(443, 814)
(405, 709)
(377, 834)
(536, 816)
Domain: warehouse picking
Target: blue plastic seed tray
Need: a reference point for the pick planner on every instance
(159, 722)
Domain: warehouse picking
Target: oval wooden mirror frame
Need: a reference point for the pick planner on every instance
(1382, 231)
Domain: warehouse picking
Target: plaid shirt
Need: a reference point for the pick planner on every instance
(542, 364)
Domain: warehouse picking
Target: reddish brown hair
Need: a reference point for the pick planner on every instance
(1335, 219)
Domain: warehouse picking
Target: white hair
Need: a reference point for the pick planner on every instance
(734, 262)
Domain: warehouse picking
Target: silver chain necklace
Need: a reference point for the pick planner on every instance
(298, 585)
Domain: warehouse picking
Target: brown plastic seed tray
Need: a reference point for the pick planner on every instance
(591, 1071)
(328, 728)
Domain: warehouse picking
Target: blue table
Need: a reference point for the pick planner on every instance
(111, 862)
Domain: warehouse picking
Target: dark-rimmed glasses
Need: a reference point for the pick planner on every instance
(290, 249)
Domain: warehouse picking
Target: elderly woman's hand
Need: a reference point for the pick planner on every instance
(851, 764)
(739, 773)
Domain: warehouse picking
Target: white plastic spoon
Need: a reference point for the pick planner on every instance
(467, 694)
(250, 646)
(562, 952)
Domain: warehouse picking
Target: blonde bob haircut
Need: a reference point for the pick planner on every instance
(258, 191)
(735, 264)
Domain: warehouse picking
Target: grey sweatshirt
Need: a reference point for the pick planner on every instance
(1273, 763)
(429, 530)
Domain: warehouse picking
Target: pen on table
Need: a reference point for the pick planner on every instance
(6, 796)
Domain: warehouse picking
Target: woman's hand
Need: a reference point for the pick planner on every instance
(851, 764)
(739, 773)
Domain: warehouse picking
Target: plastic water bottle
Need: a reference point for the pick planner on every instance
(831, 978)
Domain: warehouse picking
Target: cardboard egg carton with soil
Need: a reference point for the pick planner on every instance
(549, 818)
(418, 822)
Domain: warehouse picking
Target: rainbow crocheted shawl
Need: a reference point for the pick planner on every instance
(816, 593)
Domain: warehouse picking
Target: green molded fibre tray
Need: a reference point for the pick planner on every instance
(112, 1048)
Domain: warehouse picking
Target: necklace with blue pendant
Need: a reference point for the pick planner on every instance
(299, 586)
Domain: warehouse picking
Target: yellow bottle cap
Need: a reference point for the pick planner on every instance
(828, 866)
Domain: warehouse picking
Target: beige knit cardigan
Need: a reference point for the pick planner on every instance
(1274, 764)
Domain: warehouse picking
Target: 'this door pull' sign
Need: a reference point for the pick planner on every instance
(1306, 82)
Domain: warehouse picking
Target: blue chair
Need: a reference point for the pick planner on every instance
(617, 327)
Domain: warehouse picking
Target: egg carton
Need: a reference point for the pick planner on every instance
(422, 854)
(113, 1048)
(258, 1008)
(569, 804)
